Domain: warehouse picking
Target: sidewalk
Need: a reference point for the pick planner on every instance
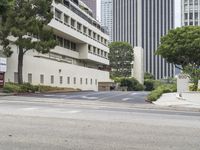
(190, 100)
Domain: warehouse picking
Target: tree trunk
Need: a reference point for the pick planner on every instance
(20, 65)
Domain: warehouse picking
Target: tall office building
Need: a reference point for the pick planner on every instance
(142, 23)
(92, 5)
(190, 12)
(107, 16)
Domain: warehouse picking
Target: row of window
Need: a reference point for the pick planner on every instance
(190, 16)
(191, 23)
(191, 2)
(97, 51)
(79, 27)
(62, 42)
(82, 15)
(69, 80)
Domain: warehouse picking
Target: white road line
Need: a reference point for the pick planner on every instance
(134, 93)
(73, 112)
(29, 108)
(85, 97)
(126, 99)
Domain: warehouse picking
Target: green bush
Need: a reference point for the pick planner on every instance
(149, 85)
(157, 93)
(11, 88)
(148, 76)
(132, 84)
(27, 87)
(193, 87)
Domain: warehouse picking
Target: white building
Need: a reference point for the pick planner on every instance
(107, 16)
(80, 58)
(190, 12)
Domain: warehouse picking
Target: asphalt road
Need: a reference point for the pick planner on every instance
(113, 96)
(35, 123)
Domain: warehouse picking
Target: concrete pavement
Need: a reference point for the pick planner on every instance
(188, 100)
(39, 125)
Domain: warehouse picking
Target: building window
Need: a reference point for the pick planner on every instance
(186, 16)
(81, 81)
(73, 46)
(74, 80)
(191, 23)
(94, 35)
(196, 16)
(29, 78)
(98, 37)
(89, 32)
(15, 77)
(91, 81)
(61, 80)
(94, 50)
(86, 81)
(96, 82)
(79, 26)
(66, 19)
(85, 29)
(101, 39)
(42, 79)
(52, 79)
(68, 80)
(191, 15)
(66, 44)
(101, 52)
(89, 49)
(60, 41)
(72, 22)
(58, 14)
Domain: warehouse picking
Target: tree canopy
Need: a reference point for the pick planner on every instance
(181, 46)
(26, 21)
(121, 58)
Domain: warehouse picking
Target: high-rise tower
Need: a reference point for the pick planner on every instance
(92, 4)
(142, 23)
(190, 12)
(107, 15)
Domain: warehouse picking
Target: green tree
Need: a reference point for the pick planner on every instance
(121, 57)
(181, 46)
(27, 20)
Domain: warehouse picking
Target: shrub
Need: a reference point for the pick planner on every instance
(11, 88)
(132, 84)
(148, 76)
(27, 87)
(149, 85)
(193, 87)
(157, 93)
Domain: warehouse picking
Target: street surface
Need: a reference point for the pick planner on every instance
(45, 122)
(114, 96)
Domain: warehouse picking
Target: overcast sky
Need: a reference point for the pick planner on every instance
(177, 12)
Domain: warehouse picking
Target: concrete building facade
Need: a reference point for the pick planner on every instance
(142, 23)
(190, 12)
(80, 59)
(107, 16)
(92, 4)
